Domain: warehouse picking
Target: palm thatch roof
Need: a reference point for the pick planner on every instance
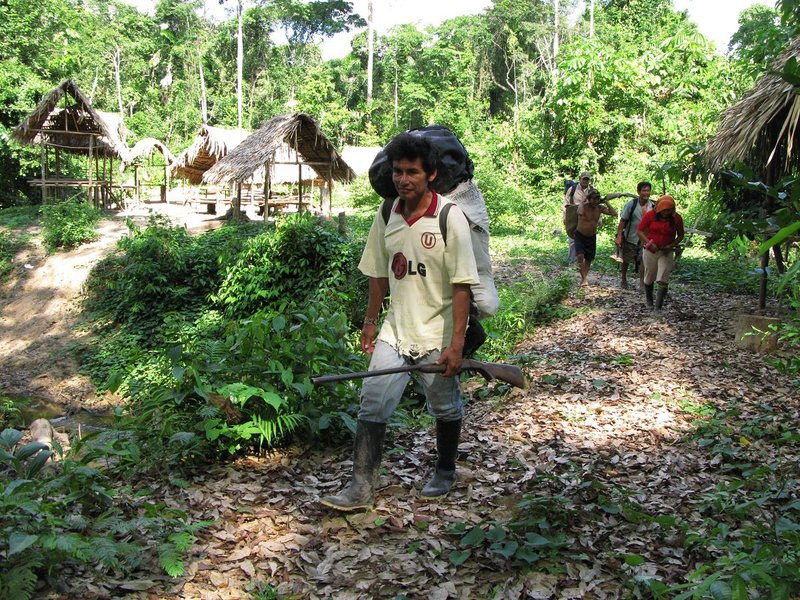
(75, 127)
(209, 146)
(762, 127)
(300, 132)
(146, 147)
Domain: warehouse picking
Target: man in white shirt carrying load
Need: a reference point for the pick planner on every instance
(627, 238)
(429, 283)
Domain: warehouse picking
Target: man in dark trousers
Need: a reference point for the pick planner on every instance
(429, 283)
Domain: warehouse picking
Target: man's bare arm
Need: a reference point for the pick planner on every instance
(454, 353)
(378, 286)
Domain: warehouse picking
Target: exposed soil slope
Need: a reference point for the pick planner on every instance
(39, 309)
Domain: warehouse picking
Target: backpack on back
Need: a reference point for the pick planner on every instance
(570, 186)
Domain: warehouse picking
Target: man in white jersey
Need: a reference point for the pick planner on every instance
(429, 284)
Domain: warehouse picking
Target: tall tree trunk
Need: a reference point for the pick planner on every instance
(239, 61)
(203, 97)
(370, 52)
(117, 60)
(555, 39)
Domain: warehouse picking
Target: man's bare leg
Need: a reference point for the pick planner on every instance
(584, 264)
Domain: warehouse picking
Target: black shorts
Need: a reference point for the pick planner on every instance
(586, 245)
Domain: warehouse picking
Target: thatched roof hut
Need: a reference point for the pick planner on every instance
(146, 148)
(75, 127)
(209, 146)
(761, 129)
(300, 132)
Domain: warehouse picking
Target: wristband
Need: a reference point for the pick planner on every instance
(370, 321)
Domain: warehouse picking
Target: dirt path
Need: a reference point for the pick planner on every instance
(594, 445)
(39, 309)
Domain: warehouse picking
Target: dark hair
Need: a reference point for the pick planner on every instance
(593, 193)
(411, 147)
(643, 184)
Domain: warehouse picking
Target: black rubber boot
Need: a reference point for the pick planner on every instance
(367, 453)
(474, 338)
(661, 294)
(447, 436)
(648, 294)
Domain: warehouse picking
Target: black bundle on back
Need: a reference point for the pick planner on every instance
(453, 167)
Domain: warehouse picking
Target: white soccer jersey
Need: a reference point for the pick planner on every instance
(421, 270)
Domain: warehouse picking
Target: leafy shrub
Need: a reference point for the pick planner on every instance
(522, 305)
(162, 269)
(55, 514)
(69, 223)
(301, 257)
(249, 387)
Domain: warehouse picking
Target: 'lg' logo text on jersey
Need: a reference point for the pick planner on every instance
(401, 267)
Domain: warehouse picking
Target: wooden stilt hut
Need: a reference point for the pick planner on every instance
(265, 150)
(210, 145)
(761, 130)
(65, 122)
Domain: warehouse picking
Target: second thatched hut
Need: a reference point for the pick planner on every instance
(264, 150)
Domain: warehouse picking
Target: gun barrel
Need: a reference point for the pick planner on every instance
(510, 374)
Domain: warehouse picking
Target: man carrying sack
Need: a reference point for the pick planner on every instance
(429, 283)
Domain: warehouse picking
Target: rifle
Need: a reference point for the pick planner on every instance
(507, 373)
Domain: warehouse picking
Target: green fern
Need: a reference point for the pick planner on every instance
(273, 430)
(171, 559)
(18, 579)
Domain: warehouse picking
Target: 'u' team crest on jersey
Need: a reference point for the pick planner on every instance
(428, 240)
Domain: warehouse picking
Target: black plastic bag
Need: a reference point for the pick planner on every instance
(453, 167)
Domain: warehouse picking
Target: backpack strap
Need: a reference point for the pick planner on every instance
(572, 193)
(386, 209)
(630, 216)
(386, 212)
(443, 212)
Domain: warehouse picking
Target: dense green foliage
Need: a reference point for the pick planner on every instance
(243, 309)
(52, 515)
(69, 223)
(294, 262)
(212, 339)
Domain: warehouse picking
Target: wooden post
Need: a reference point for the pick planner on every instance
(165, 195)
(237, 203)
(43, 156)
(109, 187)
(91, 152)
(299, 187)
(136, 183)
(267, 189)
(58, 172)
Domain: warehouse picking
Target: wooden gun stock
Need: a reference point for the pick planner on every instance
(508, 373)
